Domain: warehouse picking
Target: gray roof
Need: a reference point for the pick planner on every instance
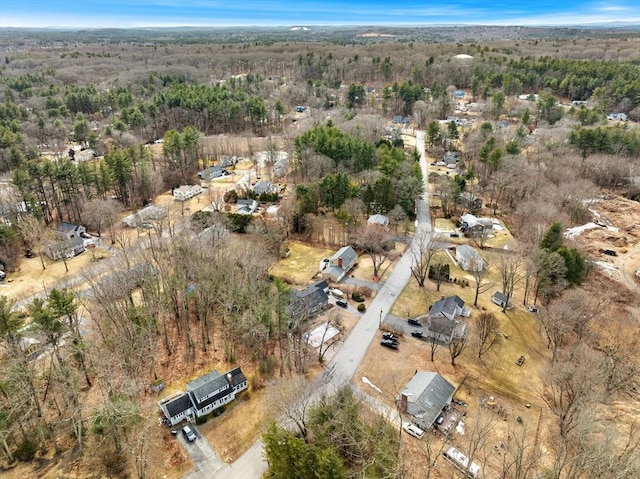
(428, 393)
(206, 385)
(347, 253)
(500, 296)
(263, 187)
(446, 306)
(67, 228)
(308, 300)
(467, 252)
(441, 325)
(378, 219)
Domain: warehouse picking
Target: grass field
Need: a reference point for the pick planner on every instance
(302, 263)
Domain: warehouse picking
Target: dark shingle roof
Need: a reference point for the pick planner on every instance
(178, 405)
(446, 305)
(237, 376)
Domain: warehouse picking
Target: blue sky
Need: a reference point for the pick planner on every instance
(153, 13)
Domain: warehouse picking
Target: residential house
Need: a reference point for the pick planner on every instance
(378, 219)
(451, 158)
(143, 216)
(68, 248)
(213, 172)
(246, 207)
(500, 299)
(310, 300)
(71, 231)
(204, 395)
(229, 161)
(444, 330)
(184, 192)
(468, 258)
(336, 267)
(264, 186)
(280, 166)
(448, 307)
(424, 397)
(475, 226)
(470, 201)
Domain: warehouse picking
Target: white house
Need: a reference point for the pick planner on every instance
(381, 220)
(184, 192)
(336, 267)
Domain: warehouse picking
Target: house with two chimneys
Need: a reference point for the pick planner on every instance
(203, 396)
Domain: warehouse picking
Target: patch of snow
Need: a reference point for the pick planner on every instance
(460, 428)
(366, 381)
(608, 268)
(573, 233)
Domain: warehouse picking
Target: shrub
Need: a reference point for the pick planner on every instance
(361, 308)
(201, 420)
(26, 451)
(114, 462)
(357, 297)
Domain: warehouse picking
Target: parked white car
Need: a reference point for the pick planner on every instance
(337, 293)
(412, 429)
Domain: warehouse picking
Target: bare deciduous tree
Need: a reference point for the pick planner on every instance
(456, 347)
(372, 239)
(487, 332)
(509, 266)
(423, 248)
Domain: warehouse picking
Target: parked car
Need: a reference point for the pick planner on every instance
(342, 303)
(417, 334)
(3, 275)
(532, 309)
(389, 344)
(189, 433)
(336, 292)
(390, 336)
(413, 430)
(454, 235)
(414, 322)
(520, 361)
(610, 252)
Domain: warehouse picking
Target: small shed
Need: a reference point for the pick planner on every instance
(500, 299)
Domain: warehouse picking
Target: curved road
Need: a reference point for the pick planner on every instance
(344, 364)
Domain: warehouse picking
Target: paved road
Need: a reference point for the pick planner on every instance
(342, 367)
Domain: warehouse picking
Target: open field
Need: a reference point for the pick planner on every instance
(302, 264)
